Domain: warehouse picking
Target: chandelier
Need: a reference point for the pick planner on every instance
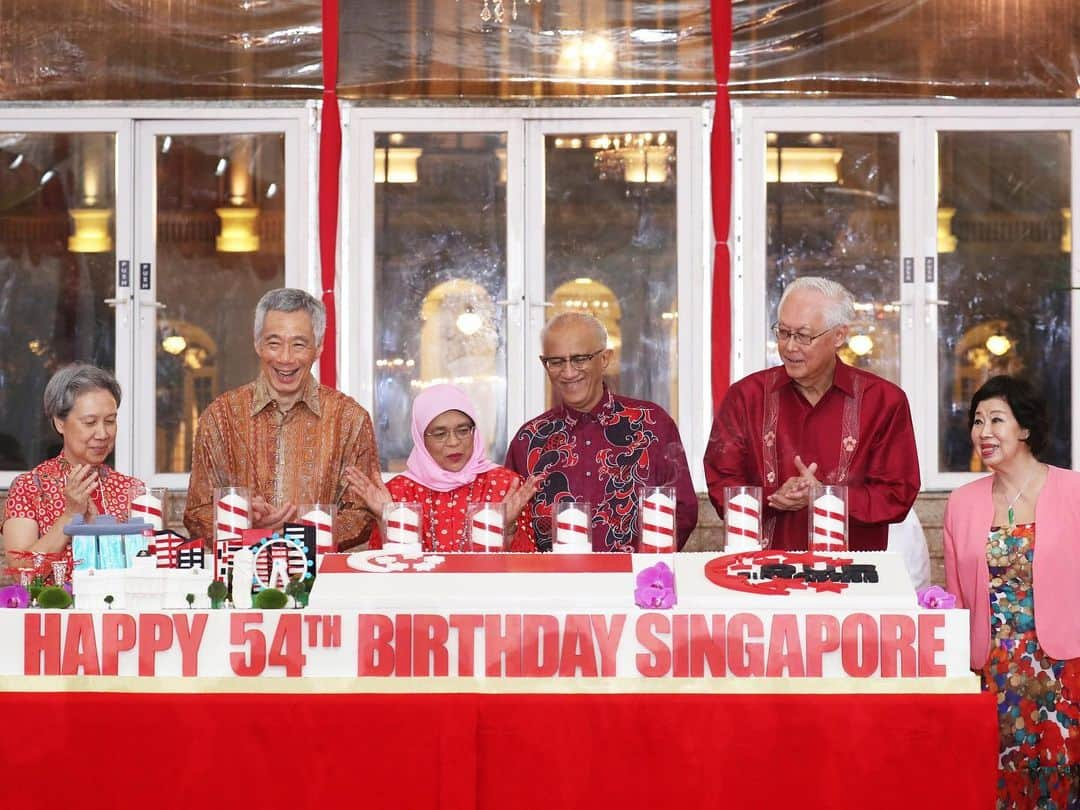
(634, 157)
(495, 10)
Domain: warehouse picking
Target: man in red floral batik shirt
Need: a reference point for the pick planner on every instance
(816, 419)
(598, 446)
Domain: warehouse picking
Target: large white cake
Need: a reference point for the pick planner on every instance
(396, 580)
(763, 580)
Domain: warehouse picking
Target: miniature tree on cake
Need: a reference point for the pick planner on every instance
(109, 599)
(190, 599)
(297, 589)
(217, 593)
(36, 586)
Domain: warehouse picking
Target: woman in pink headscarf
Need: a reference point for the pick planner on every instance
(446, 471)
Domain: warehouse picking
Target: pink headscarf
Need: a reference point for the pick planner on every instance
(421, 467)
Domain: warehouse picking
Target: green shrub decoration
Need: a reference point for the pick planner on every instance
(299, 589)
(217, 592)
(270, 599)
(53, 597)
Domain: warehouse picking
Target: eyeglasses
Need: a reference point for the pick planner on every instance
(578, 361)
(442, 435)
(784, 335)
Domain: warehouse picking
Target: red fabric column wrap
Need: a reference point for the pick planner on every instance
(721, 203)
(329, 170)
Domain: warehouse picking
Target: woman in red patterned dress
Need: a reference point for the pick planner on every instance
(446, 471)
(81, 401)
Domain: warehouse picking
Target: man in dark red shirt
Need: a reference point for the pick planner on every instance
(816, 419)
(597, 446)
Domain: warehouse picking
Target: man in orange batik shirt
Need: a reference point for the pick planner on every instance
(284, 436)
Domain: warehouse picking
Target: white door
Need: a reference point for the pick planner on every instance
(65, 269)
(951, 226)
(465, 230)
(221, 218)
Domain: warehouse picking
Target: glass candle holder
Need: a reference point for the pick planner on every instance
(828, 528)
(149, 503)
(571, 527)
(232, 512)
(402, 521)
(321, 516)
(486, 527)
(656, 510)
(742, 520)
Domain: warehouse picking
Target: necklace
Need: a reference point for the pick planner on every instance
(1016, 497)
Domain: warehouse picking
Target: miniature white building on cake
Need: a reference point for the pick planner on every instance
(144, 586)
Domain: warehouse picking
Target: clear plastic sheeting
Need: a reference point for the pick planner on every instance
(906, 48)
(155, 49)
(535, 48)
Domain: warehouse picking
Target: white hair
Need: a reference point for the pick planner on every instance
(574, 318)
(839, 305)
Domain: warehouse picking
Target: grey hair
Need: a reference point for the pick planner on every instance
(71, 382)
(574, 318)
(289, 299)
(839, 305)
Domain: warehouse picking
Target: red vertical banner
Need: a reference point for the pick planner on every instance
(329, 181)
(720, 150)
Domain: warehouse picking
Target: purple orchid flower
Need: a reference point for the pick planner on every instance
(655, 587)
(936, 598)
(14, 596)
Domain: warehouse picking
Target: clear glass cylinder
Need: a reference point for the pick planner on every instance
(742, 520)
(828, 529)
(321, 516)
(232, 512)
(486, 527)
(572, 527)
(656, 509)
(402, 524)
(149, 503)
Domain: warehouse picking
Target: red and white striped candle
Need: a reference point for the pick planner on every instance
(571, 533)
(742, 519)
(321, 516)
(486, 522)
(828, 518)
(402, 521)
(232, 512)
(657, 513)
(149, 504)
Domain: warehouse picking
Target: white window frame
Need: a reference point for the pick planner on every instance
(31, 119)
(918, 125)
(525, 129)
(134, 240)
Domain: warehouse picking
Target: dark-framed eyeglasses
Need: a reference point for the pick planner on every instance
(578, 361)
(442, 435)
(784, 335)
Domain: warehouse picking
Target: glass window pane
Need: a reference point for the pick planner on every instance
(57, 260)
(1003, 253)
(834, 211)
(610, 242)
(220, 246)
(440, 275)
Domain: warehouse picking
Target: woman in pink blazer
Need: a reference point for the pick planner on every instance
(1024, 603)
